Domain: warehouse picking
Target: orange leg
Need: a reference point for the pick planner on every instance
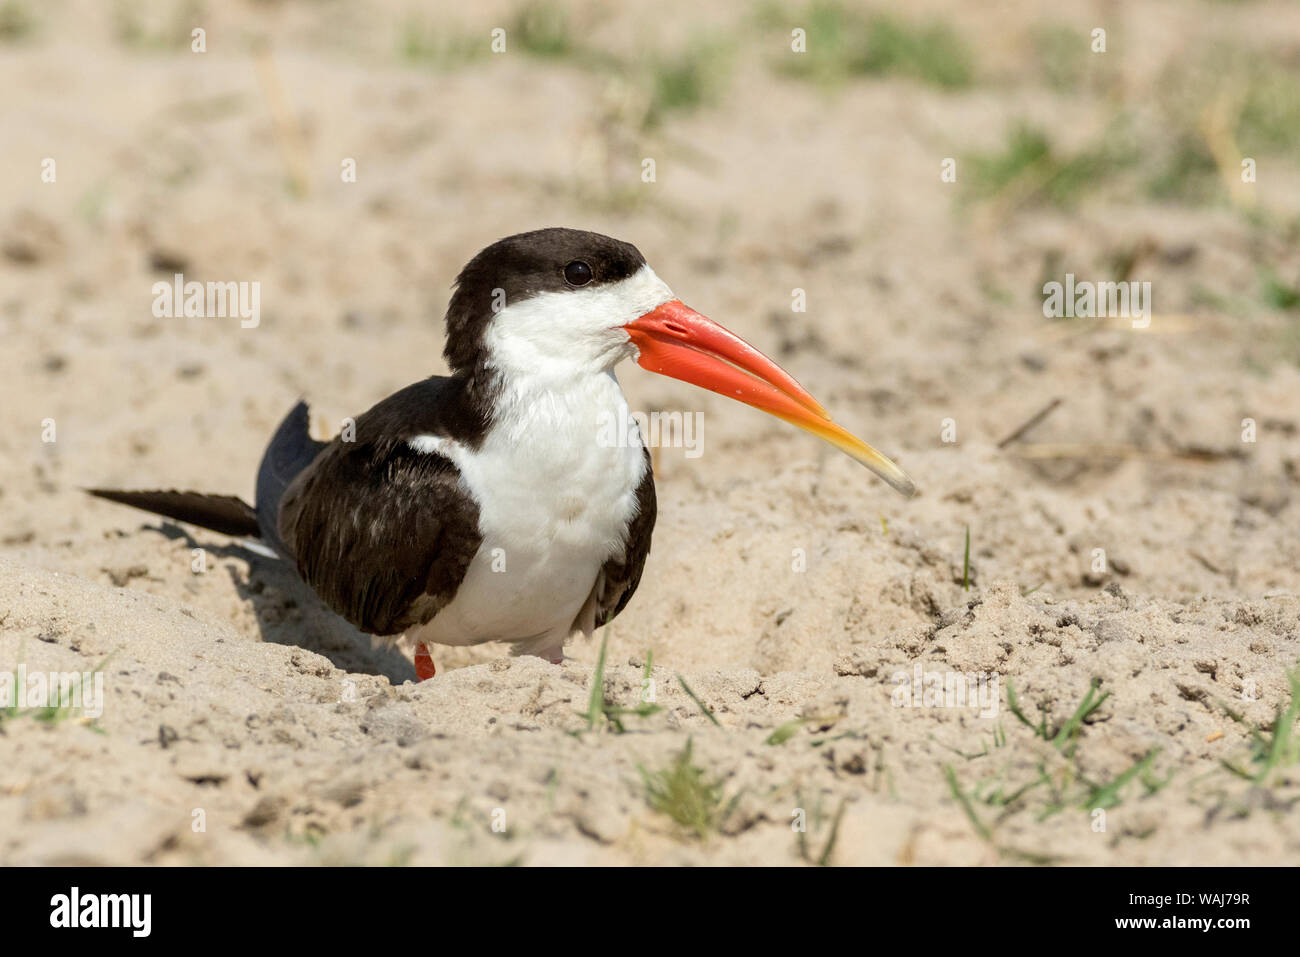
(424, 669)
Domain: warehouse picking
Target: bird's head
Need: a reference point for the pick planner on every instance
(556, 305)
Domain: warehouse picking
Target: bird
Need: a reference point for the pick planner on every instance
(488, 504)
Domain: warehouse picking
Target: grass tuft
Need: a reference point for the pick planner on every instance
(600, 713)
(16, 21)
(1030, 170)
(1064, 736)
(784, 732)
(686, 79)
(54, 714)
(842, 43)
(968, 808)
(686, 794)
(1274, 749)
(420, 44)
(694, 697)
(822, 859)
(541, 29)
(1278, 294)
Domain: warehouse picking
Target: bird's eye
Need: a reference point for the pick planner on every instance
(577, 273)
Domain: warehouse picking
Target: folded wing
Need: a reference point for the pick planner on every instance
(384, 533)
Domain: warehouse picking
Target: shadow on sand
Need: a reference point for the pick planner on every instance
(289, 613)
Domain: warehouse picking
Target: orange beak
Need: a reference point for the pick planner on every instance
(677, 341)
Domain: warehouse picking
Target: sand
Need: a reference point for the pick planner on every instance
(790, 592)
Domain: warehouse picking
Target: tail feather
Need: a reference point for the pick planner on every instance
(227, 514)
(290, 451)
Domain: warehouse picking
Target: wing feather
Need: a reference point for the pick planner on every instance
(620, 577)
(383, 533)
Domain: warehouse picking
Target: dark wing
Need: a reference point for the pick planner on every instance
(383, 533)
(621, 577)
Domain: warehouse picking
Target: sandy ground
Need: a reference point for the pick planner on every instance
(786, 589)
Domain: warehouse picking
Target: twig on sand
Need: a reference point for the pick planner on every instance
(288, 135)
(1033, 420)
(1087, 450)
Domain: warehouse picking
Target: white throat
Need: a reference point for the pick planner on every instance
(554, 340)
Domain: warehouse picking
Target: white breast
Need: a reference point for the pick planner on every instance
(555, 498)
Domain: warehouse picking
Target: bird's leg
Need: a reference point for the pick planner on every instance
(424, 668)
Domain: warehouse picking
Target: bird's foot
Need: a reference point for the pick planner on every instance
(424, 668)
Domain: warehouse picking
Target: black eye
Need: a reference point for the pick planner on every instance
(577, 273)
